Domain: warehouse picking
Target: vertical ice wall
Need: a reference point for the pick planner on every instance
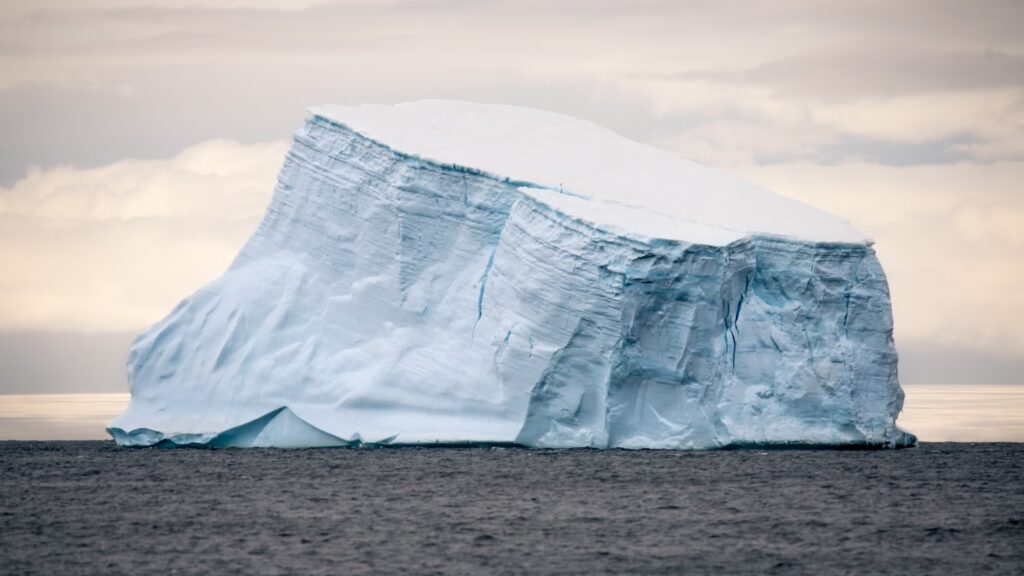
(388, 298)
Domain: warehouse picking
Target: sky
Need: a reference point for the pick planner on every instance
(140, 140)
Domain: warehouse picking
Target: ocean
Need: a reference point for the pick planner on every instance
(89, 507)
(93, 508)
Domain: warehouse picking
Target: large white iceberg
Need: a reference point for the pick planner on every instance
(449, 272)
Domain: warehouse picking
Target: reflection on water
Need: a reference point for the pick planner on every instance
(935, 413)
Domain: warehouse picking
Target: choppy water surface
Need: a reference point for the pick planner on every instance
(89, 507)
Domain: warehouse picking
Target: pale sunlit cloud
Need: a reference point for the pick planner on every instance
(116, 247)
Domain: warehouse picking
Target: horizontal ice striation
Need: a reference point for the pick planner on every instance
(391, 296)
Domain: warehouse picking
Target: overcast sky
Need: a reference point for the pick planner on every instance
(140, 140)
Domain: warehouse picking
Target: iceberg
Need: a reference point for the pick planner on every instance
(443, 272)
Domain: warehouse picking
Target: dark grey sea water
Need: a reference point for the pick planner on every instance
(92, 508)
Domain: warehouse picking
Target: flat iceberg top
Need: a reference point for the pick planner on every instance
(591, 173)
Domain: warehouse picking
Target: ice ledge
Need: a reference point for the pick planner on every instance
(282, 428)
(597, 173)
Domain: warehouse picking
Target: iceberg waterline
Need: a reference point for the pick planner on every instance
(396, 293)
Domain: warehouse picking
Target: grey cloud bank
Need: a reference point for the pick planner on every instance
(139, 80)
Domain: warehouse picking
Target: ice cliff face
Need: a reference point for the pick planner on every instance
(452, 272)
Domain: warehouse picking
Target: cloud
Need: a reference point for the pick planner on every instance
(53, 362)
(116, 247)
(724, 81)
(85, 6)
(874, 71)
(908, 118)
(917, 117)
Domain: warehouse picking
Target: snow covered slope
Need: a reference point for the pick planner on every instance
(454, 272)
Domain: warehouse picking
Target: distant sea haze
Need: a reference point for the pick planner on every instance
(935, 413)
